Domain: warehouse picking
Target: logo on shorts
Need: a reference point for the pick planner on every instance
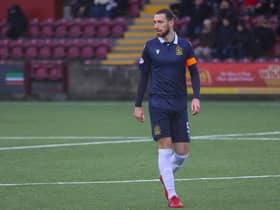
(157, 130)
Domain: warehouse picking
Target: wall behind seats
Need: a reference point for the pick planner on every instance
(35, 8)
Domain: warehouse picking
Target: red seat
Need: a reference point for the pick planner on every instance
(47, 28)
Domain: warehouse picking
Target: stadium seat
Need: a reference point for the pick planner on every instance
(17, 49)
(47, 28)
(31, 47)
(60, 28)
(181, 24)
(118, 27)
(245, 60)
(261, 60)
(103, 28)
(55, 71)
(4, 49)
(87, 48)
(229, 60)
(133, 8)
(39, 71)
(73, 49)
(59, 49)
(3, 29)
(75, 28)
(102, 48)
(45, 49)
(34, 28)
(89, 27)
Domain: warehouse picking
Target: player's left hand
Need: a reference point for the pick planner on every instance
(195, 106)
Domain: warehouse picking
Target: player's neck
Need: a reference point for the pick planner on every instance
(169, 37)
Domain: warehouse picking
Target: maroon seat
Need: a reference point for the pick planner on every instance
(133, 8)
(118, 27)
(60, 28)
(4, 48)
(17, 49)
(31, 49)
(3, 29)
(45, 49)
(59, 49)
(75, 28)
(34, 28)
(102, 48)
(104, 28)
(56, 71)
(47, 28)
(39, 71)
(73, 49)
(89, 27)
(87, 48)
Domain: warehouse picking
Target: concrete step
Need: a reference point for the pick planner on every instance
(122, 48)
(132, 42)
(118, 62)
(152, 9)
(125, 56)
(140, 34)
(141, 27)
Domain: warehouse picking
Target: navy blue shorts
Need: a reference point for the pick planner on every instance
(166, 123)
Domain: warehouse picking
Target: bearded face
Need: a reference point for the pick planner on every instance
(161, 25)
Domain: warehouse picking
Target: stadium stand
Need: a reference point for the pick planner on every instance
(110, 40)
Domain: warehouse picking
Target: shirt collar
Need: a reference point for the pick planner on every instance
(175, 40)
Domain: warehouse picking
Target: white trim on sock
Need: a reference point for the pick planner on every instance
(177, 161)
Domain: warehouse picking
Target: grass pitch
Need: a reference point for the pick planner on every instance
(94, 155)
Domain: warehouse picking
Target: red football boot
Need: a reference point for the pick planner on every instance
(175, 202)
(164, 189)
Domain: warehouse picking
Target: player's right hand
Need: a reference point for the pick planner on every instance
(139, 114)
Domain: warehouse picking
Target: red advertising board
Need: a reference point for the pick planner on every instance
(239, 78)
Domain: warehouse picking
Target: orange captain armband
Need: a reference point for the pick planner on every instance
(190, 61)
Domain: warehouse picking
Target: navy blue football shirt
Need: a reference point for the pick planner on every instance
(166, 64)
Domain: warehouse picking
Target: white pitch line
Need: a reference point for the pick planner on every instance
(239, 139)
(72, 144)
(66, 137)
(138, 181)
(222, 137)
(129, 137)
(240, 134)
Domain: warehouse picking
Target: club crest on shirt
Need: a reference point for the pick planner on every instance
(179, 50)
(157, 51)
(157, 130)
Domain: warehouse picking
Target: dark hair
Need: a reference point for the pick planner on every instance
(168, 13)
